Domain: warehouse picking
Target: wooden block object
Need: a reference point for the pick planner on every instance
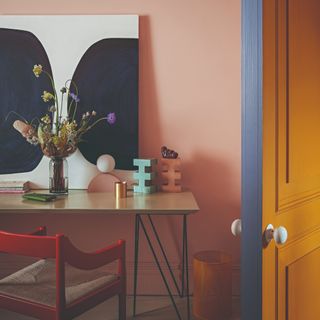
(170, 174)
(145, 175)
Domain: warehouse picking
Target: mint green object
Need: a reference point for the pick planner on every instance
(145, 175)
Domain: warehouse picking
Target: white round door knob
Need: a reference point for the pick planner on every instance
(279, 235)
(236, 227)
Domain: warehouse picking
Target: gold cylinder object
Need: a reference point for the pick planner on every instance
(120, 189)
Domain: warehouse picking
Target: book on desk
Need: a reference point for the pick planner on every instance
(10, 186)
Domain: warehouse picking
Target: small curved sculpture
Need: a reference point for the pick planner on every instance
(104, 181)
(168, 154)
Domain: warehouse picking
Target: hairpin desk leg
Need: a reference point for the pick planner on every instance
(160, 269)
(185, 271)
(155, 232)
(136, 261)
(186, 263)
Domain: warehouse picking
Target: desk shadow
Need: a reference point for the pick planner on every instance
(216, 187)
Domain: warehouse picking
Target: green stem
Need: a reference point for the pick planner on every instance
(68, 92)
(34, 120)
(77, 93)
(75, 111)
(83, 129)
(96, 122)
(61, 106)
(69, 107)
(56, 98)
(74, 84)
(17, 114)
(84, 123)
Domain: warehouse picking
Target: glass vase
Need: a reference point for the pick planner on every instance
(58, 175)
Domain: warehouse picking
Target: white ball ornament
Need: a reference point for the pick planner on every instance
(105, 163)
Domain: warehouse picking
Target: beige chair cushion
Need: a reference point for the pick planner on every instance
(37, 282)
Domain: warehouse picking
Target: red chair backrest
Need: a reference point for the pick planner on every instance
(28, 245)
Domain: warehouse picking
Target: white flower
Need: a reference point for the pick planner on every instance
(52, 109)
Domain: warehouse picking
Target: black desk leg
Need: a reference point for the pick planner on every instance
(136, 261)
(185, 270)
(186, 262)
(155, 232)
(183, 276)
(160, 269)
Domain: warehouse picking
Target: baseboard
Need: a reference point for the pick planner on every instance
(152, 283)
(149, 278)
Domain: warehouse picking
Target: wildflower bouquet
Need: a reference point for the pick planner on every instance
(57, 132)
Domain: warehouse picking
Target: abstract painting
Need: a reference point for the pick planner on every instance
(99, 53)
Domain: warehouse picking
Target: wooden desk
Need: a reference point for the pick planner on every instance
(143, 206)
(79, 201)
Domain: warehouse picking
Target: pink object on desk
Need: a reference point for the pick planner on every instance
(103, 182)
(170, 174)
(13, 191)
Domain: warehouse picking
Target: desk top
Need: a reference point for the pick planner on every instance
(79, 201)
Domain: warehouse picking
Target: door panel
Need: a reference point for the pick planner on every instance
(299, 281)
(301, 286)
(291, 156)
(298, 32)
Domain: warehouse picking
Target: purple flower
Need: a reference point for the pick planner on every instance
(111, 118)
(74, 97)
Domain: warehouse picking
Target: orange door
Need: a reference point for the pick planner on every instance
(291, 158)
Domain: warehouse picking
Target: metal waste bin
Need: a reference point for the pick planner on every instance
(212, 296)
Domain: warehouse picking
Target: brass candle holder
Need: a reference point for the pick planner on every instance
(120, 189)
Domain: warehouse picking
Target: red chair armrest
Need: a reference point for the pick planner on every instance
(93, 260)
(40, 231)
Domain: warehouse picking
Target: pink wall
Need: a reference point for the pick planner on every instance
(189, 101)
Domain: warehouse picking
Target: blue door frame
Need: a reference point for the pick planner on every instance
(251, 210)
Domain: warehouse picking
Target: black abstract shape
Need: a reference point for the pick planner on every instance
(20, 91)
(107, 79)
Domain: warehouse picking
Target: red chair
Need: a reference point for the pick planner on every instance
(65, 282)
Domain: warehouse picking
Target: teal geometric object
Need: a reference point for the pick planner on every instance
(145, 175)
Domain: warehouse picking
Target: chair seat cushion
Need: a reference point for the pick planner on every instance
(37, 282)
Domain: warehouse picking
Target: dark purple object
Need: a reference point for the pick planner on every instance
(167, 153)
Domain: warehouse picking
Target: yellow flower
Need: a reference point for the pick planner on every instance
(41, 135)
(46, 119)
(47, 96)
(37, 70)
(55, 140)
(71, 126)
(59, 141)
